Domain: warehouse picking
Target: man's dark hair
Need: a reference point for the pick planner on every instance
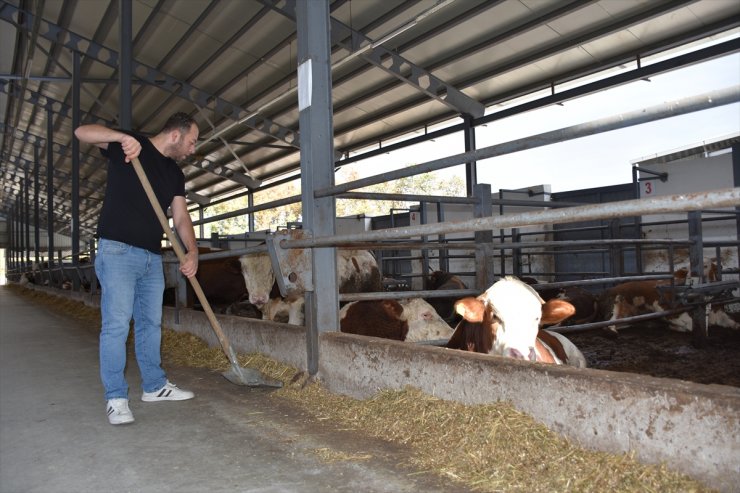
(179, 121)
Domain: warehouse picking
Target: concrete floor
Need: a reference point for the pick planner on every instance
(55, 437)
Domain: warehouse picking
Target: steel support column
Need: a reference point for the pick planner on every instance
(76, 84)
(27, 215)
(10, 260)
(50, 190)
(696, 265)
(125, 57)
(736, 183)
(317, 167)
(484, 271)
(471, 167)
(36, 205)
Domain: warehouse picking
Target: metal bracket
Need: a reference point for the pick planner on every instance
(293, 267)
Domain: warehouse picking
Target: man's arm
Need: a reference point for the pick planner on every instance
(102, 136)
(184, 227)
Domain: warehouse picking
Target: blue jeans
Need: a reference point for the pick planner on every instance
(132, 285)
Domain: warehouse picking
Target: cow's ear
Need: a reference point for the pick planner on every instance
(556, 310)
(471, 309)
(392, 307)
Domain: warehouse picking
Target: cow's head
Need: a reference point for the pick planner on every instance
(258, 277)
(513, 311)
(423, 320)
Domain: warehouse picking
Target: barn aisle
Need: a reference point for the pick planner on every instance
(54, 435)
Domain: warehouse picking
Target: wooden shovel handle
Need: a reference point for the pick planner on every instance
(181, 257)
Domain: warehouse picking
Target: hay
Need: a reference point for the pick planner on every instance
(489, 448)
(330, 455)
(59, 303)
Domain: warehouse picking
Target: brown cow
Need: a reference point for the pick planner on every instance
(220, 278)
(438, 281)
(410, 320)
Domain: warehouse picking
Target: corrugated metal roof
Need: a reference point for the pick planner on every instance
(696, 149)
(233, 63)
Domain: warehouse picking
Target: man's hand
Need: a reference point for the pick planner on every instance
(189, 266)
(131, 147)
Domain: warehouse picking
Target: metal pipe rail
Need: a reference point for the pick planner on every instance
(712, 99)
(622, 321)
(729, 197)
(595, 242)
(461, 293)
(225, 253)
(387, 295)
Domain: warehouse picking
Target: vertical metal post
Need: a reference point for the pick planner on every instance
(637, 219)
(424, 219)
(16, 242)
(201, 229)
(516, 253)
(471, 168)
(317, 166)
(484, 271)
(696, 260)
(10, 261)
(444, 261)
(27, 214)
(125, 63)
(616, 263)
(736, 183)
(50, 190)
(76, 84)
(93, 276)
(36, 206)
(250, 204)
(19, 227)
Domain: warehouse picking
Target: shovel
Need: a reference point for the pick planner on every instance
(237, 374)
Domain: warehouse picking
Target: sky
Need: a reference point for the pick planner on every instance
(601, 160)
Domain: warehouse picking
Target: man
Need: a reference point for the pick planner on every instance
(129, 264)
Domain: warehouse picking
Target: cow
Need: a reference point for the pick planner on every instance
(220, 278)
(438, 281)
(408, 319)
(505, 321)
(357, 271)
(585, 303)
(633, 298)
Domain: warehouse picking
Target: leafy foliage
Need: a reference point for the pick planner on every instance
(425, 184)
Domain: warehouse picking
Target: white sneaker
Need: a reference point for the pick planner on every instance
(118, 412)
(169, 392)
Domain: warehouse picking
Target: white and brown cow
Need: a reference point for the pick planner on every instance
(357, 272)
(410, 320)
(635, 298)
(505, 321)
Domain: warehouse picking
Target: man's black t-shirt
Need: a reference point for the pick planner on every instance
(127, 215)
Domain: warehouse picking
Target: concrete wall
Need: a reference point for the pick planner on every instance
(693, 428)
(689, 176)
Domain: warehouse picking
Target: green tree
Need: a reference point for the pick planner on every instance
(424, 184)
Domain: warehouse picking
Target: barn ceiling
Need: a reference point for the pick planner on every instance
(397, 67)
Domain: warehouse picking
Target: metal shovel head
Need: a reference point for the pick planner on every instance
(251, 378)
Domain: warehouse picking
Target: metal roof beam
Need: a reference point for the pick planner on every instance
(372, 51)
(90, 48)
